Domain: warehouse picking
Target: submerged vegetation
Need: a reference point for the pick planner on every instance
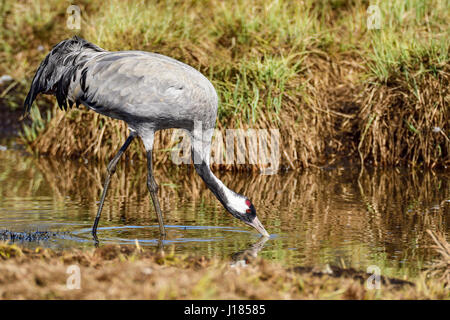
(312, 69)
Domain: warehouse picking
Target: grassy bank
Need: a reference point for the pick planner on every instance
(125, 272)
(311, 69)
(319, 212)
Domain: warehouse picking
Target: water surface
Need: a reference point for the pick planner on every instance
(338, 216)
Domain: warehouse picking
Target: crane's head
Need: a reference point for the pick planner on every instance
(242, 208)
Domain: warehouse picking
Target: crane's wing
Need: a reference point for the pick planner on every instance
(134, 84)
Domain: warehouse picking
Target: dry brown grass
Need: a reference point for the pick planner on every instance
(399, 120)
(440, 269)
(114, 272)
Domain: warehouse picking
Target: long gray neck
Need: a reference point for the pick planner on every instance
(213, 183)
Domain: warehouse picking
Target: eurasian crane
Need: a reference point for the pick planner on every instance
(149, 92)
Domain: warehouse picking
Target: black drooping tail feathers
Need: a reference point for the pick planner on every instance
(58, 69)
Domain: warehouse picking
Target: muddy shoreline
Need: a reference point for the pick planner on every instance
(127, 272)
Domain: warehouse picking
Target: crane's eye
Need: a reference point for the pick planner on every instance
(248, 211)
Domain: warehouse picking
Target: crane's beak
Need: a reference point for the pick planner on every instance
(258, 226)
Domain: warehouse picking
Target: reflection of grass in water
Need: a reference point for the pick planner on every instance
(315, 212)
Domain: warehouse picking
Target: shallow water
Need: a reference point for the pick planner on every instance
(337, 215)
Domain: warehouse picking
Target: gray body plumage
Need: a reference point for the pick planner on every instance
(149, 92)
(140, 88)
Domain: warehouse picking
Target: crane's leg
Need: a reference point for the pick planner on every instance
(153, 188)
(111, 169)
